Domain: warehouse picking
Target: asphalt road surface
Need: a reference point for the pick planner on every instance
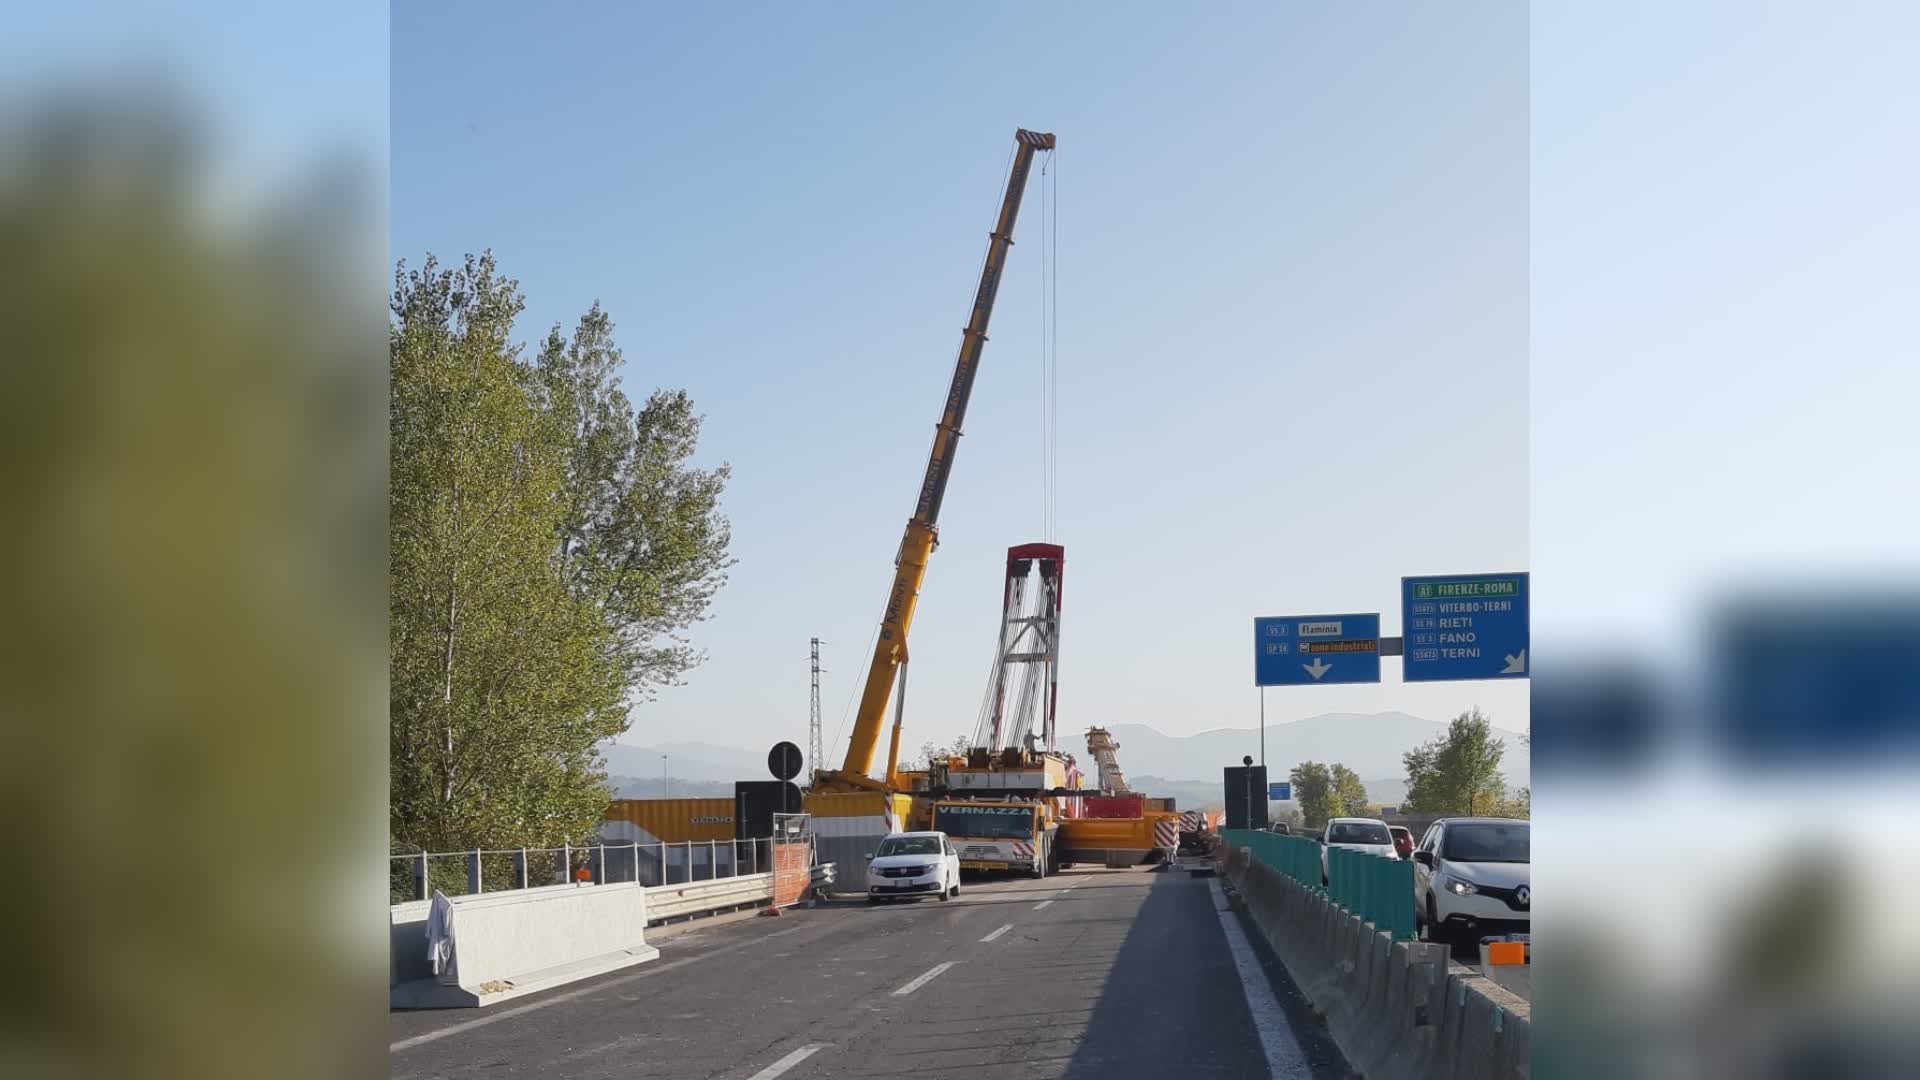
(1114, 974)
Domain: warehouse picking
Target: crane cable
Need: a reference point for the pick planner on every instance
(846, 713)
(1049, 347)
(858, 686)
(1046, 386)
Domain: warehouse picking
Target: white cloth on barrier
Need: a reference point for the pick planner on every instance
(440, 933)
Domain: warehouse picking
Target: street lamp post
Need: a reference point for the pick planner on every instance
(1248, 773)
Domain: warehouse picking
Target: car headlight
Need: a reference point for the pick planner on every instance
(1461, 888)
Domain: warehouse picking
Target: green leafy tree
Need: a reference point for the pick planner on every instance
(1518, 805)
(1313, 791)
(1459, 772)
(641, 537)
(1349, 796)
(931, 751)
(546, 549)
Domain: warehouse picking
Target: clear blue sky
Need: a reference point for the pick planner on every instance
(1292, 315)
(1724, 228)
(279, 87)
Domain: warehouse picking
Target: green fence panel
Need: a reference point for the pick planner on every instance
(1377, 889)
(1399, 875)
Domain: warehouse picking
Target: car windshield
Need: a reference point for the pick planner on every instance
(984, 822)
(1355, 832)
(1488, 843)
(909, 845)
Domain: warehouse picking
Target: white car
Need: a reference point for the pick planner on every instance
(913, 864)
(1358, 834)
(1471, 878)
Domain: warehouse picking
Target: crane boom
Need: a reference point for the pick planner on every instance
(1100, 744)
(910, 565)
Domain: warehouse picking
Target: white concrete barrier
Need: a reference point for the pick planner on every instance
(407, 943)
(511, 943)
(1398, 1010)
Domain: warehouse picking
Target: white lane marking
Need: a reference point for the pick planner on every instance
(1282, 1050)
(1041, 904)
(996, 933)
(924, 979)
(779, 1068)
(653, 968)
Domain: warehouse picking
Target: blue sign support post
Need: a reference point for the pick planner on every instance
(1464, 626)
(1300, 650)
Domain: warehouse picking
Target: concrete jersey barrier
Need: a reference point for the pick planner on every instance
(512, 943)
(1397, 1009)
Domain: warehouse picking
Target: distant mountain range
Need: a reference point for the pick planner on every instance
(653, 787)
(1186, 767)
(685, 761)
(1368, 743)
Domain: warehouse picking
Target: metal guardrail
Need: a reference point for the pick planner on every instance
(706, 897)
(416, 876)
(682, 880)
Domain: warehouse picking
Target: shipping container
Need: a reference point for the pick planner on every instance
(1118, 842)
(1161, 806)
(848, 826)
(854, 804)
(1112, 806)
(671, 821)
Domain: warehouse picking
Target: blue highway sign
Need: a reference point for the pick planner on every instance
(1464, 626)
(1279, 792)
(1301, 650)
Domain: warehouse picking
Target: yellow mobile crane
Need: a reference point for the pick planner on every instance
(910, 565)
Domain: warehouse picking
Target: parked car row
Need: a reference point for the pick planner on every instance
(1471, 876)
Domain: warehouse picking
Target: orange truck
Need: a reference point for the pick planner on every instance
(1120, 842)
